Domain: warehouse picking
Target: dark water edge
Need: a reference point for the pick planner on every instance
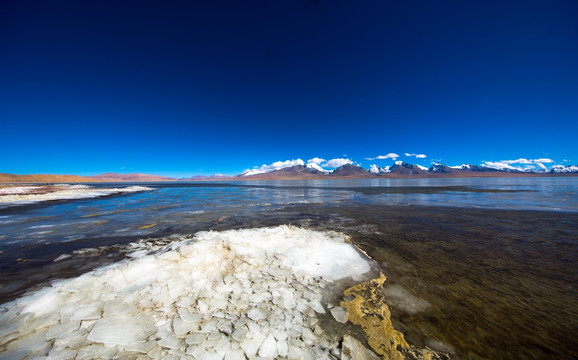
(499, 284)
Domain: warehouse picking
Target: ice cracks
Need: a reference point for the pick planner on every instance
(255, 293)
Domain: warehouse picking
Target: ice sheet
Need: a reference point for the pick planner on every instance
(240, 292)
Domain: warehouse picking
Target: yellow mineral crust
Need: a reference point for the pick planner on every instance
(369, 310)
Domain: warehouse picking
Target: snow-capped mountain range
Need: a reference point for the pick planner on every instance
(399, 168)
(297, 169)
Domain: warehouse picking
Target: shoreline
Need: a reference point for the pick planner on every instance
(73, 179)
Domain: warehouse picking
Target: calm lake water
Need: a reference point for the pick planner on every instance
(483, 268)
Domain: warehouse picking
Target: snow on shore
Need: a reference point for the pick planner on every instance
(17, 195)
(232, 294)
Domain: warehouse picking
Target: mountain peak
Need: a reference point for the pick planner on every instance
(403, 168)
(349, 170)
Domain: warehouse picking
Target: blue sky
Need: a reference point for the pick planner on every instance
(203, 87)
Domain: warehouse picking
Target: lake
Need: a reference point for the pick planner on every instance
(481, 267)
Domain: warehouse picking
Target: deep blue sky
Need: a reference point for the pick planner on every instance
(200, 87)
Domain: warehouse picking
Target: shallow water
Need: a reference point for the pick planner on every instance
(484, 268)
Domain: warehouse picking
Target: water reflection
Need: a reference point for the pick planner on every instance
(175, 206)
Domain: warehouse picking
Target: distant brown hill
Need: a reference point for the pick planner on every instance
(38, 178)
(108, 177)
(114, 177)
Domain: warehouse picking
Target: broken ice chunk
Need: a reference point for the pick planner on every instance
(339, 314)
(170, 341)
(96, 351)
(91, 311)
(316, 305)
(182, 328)
(195, 338)
(269, 347)
(256, 314)
(189, 317)
(240, 333)
(209, 326)
(117, 307)
(27, 346)
(143, 347)
(235, 354)
(251, 344)
(122, 330)
(282, 348)
(60, 329)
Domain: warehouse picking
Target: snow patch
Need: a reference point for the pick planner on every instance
(564, 169)
(32, 194)
(374, 169)
(316, 167)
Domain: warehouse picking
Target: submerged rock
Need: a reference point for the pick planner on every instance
(368, 309)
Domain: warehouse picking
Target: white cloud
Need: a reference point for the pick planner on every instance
(528, 161)
(315, 160)
(419, 156)
(274, 166)
(508, 164)
(383, 157)
(333, 163)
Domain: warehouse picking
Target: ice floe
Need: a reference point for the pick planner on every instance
(30, 194)
(254, 293)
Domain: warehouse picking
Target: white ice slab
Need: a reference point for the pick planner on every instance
(122, 330)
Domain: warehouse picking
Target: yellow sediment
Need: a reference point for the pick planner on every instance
(369, 310)
(147, 226)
